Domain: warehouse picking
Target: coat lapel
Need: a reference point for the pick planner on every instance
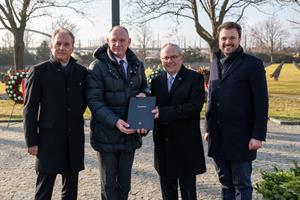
(236, 62)
(132, 70)
(164, 85)
(178, 80)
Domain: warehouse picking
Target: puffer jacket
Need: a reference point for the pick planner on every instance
(108, 97)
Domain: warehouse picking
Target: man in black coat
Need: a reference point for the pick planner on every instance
(115, 76)
(178, 148)
(53, 118)
(237, 113)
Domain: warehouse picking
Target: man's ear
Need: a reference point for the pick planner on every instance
(129, 41)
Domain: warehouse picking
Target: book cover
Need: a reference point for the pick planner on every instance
(139, 113)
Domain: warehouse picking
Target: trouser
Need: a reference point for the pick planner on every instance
(235, 178)
(45, 183)
(115, 172)
(169, 188)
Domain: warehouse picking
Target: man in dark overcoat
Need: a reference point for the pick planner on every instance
(53, 117)
(178, 148)
(115, 76)
(237, 113)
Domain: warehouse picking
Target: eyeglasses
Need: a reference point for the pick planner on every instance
(174, 57)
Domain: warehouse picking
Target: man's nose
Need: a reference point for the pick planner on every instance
(61, 47)
(228, 41)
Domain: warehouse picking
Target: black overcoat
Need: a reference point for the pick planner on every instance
(178, 148)
(237, 108)
(53, 116)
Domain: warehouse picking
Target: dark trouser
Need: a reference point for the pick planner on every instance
(115, 171)
(235, 177)
(45, 183)
(169, 188)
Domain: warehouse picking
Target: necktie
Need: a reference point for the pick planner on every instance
(170, 82)
(122, 69)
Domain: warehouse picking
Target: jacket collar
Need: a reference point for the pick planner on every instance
(233, 60)
(104, 53)
(229, 59)
(56, 63)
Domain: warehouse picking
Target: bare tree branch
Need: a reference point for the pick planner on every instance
(215, 10)
(269, 34)
(15, 14)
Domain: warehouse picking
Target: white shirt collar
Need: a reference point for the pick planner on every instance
(174, 75)
(119, 59)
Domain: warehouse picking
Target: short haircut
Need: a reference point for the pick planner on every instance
(230, 25)
(119, 26)
(63, 30)
(178, 49)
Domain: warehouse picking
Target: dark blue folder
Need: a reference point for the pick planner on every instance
(139, 113)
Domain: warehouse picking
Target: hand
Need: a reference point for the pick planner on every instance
(33, 150)
(141, 95)
(141, 131)
(254, 144)
(155, 111)
(124, 127)
(206, 137)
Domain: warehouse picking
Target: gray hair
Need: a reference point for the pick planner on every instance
(178, 49)
(63, 30)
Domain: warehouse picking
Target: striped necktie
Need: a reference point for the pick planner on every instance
(122, 69)
(170, 82)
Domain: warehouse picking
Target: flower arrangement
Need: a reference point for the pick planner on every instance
(204, 71)
(13, 86)
(156, 70)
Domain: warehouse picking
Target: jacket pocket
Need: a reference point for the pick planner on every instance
(46, 124)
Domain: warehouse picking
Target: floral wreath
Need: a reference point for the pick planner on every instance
(204, 71)
(13, 86)
(155, 72)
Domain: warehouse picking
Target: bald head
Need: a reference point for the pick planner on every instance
(118, 28)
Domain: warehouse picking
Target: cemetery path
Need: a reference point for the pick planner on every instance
(17, 175)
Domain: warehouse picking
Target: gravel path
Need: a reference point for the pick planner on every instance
(17, 175)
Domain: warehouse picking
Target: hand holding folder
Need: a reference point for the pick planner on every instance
(139, 113)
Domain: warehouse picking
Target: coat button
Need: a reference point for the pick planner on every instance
(69, 109)
(218, 121)
(69, 129)
(218, 87)
(68, 89)
(166, 139)
(218, 104)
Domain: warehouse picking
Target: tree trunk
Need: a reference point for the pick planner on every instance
(19, 50)
(271, 58)
(213, 48)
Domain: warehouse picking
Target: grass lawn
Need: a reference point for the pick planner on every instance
(288, 82)
(281, 107)
(284, 96)
(285, 92)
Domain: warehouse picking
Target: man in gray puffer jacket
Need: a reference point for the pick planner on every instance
(114, 77)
